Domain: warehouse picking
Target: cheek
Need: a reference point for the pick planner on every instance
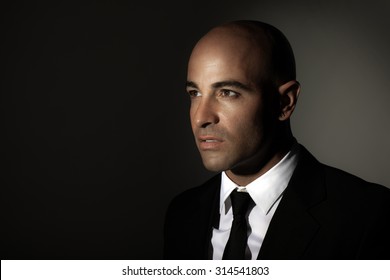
(246, 128)
(251, 136)
(192, 115)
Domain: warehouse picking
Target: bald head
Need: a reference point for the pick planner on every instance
(241, 82)
(263, 48)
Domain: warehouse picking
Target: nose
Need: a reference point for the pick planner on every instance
(205, 112)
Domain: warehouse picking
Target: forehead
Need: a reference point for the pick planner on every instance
(229, 53)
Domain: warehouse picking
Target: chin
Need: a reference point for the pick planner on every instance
(214, 166)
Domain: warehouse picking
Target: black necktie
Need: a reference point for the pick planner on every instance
(236, 245)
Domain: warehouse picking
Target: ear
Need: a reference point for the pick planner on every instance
(288, 94)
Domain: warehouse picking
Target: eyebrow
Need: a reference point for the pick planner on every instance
(228, 83)
(191, 84)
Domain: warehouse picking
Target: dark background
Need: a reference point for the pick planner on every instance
(95, 134)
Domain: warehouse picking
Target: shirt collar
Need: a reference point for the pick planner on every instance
(266, 189)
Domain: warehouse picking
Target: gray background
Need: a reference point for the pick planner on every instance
(96, 137)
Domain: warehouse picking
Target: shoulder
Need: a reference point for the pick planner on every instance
(341, 186)
(343, 179)
(355, 190)
(193, 207)
(197, 195)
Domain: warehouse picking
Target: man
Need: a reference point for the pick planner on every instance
(242, 85)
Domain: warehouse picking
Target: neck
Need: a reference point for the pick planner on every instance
(276, 155)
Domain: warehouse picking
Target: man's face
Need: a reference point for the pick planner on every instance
(228, 113)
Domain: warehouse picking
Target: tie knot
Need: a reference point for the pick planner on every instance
(240, 202)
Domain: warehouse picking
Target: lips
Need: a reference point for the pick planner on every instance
(209, 142)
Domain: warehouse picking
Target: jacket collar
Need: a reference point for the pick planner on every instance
(293, 227)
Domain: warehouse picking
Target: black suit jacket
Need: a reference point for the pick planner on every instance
(325, 213)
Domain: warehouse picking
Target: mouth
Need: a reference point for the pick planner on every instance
(209, 142)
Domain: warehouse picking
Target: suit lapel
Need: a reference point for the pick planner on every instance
(207, 215)
(292, 227)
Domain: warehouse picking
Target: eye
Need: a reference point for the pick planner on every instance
(194, 93)
(228, 93)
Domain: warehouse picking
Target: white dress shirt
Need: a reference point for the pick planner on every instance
(266, 191)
